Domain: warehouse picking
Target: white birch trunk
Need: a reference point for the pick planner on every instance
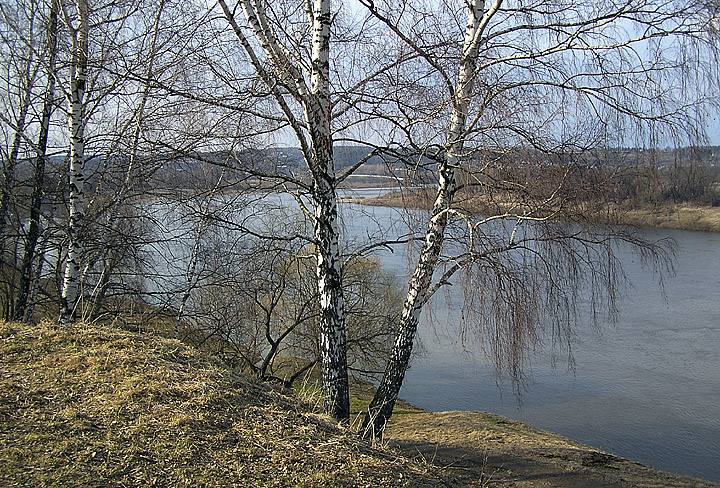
(78, 75)
(380, 409)
(318, 154)
(329, 275)
(332, 306)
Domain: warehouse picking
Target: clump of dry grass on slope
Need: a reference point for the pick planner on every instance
(89, 406)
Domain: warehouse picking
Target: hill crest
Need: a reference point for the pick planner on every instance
(92, 406)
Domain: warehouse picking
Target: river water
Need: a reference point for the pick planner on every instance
(646, 387)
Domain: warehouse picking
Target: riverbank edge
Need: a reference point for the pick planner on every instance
(662, 216)
(493, 450)
(500, 452)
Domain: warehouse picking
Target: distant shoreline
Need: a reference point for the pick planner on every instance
(664, 216)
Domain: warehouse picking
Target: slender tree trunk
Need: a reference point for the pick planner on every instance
(25, 92)
(71, 281)
(9, 173)
(327, 236)
(9, 166)
(39, 171)
(192, 279)
(35, 284)
(381, 407)
(97, 299)
(319, 158)
(105, 254)
(7, 184)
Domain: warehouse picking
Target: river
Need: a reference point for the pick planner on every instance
(646, 387)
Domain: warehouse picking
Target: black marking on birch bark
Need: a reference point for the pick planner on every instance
(332, 320)
(70, 291)
(381, 407)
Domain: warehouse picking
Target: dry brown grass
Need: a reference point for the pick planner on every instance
(683, 217)
(97, 406)
(91, 406)
(664, 216)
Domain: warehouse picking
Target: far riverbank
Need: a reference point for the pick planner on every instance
(662, 216)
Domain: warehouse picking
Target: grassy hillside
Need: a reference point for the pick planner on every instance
(101, 407)
(89, 406)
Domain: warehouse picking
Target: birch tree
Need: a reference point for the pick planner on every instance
(289, 81)
(78, 26)
(130, 155)
(105, 108)
(548, 80)
(25, 84)
(61, 64)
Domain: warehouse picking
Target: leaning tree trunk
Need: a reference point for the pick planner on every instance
(39, 171)
(9, 173)
(381, 407)
(8, 178)
(78, 74)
